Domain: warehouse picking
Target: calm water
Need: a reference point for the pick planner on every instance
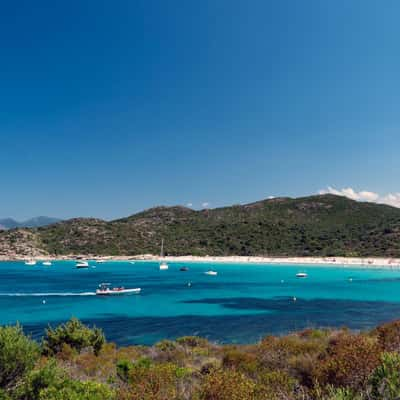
(241, 304)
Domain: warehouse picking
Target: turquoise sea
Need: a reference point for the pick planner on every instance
(242, 304)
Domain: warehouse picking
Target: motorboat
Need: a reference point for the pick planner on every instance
(301, 275)
(30, 262)
(47, 263)
(163, 265)
(82, 264)
(183, 269)
(211, 272)
(106, 290)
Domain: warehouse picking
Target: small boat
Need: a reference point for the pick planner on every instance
(210, 272)
(301, 275)
(30, 262)
(46, 263)
(105, 290)
(82, 264)
(163, 265)
(183, 269)
(100, 261)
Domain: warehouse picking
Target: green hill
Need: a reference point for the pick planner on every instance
(325, 225)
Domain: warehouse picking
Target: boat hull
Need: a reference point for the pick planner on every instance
(111, 292)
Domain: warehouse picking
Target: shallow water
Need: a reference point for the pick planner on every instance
(241, 304)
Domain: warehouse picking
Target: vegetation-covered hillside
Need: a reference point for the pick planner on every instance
(325, 225)
(74, 362)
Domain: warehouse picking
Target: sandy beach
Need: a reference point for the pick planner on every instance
(366, 262)
(369, 262)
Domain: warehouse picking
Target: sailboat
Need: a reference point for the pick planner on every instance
(163, 264)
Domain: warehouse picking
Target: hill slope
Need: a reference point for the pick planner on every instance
(315, 225)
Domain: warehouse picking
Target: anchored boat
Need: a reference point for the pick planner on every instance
(106, 290)
(82, 264)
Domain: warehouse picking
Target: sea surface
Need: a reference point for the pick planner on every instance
(243, 303)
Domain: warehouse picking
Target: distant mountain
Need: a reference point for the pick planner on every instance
(10, 223)
(323, 225)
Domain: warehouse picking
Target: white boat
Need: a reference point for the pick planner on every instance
(301, 275)
(82, 264)
(47, 263)
(105, 290)
(163, 265)
(210, 272)
(30, 262)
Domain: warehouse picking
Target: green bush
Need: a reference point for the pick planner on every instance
(341, 394)
(76, 390)
(123, 369)
(18, 355)
(385, 380)
(75, 334)
(39, 379)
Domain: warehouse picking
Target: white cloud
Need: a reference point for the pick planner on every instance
(189, 205)
(392, 199)
(205, 204)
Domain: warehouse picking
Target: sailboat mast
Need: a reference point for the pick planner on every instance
(162, 248)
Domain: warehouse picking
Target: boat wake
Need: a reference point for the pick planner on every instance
(48, 294)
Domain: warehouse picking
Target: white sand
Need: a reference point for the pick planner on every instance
(366, 262)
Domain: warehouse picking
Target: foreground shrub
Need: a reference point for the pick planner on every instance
(4, 395)
(276, 353)
(349, 362)
(74, 334)
(151, 381)
(168, 351)
(192, 341)
(385, 380)
(76, 390)
(341, 394)
(389, 336)
(240, 361)
(227, 385)
(276, 385)
(42, 377)
(18, 355)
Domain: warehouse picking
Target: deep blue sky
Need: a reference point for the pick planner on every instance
(109, 107)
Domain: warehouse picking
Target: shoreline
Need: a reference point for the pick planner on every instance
(368, 262)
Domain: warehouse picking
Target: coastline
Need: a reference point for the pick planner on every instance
(366, 262)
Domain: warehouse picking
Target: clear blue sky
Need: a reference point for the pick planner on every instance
(110, 107)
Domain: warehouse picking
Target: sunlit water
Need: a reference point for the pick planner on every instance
(241, 304)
